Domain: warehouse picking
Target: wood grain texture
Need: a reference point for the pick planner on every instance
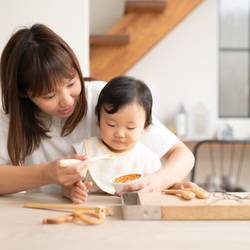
(122, 39)
(145, 31)
(218, 206)
(234, 212)
(145, 6)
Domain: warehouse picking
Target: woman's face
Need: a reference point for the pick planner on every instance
(62, 101)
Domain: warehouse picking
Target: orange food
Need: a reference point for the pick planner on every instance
(126, 178)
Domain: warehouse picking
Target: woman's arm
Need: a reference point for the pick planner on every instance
(178, 162)
(16, 179)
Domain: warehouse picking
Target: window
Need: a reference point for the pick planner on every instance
(234, 48)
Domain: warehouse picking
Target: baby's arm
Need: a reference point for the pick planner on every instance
(78, 192)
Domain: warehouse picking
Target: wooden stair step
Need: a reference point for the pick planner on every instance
(145, 30)
(107, 39)
(145, 6)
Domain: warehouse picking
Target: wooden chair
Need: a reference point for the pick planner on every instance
(222, 165)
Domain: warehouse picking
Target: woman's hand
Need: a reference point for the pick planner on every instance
(149, 183)
(67, 176)
(153, 183)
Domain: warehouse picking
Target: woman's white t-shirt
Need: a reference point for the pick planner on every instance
(158, 138)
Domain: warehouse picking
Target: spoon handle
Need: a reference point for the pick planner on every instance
(68, 162)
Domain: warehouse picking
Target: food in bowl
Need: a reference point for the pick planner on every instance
(119, 182)
(126, 178)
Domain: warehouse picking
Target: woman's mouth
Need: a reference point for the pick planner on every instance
(67, 110)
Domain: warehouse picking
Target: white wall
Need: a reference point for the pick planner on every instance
(104, 14)
(183, 68)
(70, 19)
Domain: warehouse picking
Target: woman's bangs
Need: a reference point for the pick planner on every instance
(50, 72)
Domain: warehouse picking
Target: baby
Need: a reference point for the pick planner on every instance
(124, 113)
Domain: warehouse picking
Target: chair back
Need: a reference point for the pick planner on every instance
(222, 165)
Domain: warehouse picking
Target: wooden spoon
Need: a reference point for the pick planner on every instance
(200, 193)
(68, 162)
(187, 195)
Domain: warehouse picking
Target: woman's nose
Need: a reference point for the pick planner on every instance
(66, 99)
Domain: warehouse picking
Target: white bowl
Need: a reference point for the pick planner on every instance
(123, 182)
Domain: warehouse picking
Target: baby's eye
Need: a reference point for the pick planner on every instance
(110, 125)
(131, 128)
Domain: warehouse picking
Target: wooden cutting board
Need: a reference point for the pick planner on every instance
(218, 206)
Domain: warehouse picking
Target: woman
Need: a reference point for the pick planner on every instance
(46, 105)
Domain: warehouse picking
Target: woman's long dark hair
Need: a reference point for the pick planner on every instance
(123, 90)
(35, 60)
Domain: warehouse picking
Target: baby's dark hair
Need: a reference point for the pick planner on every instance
(123, 90)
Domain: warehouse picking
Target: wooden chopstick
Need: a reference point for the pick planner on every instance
(57, 206)
(107, 211)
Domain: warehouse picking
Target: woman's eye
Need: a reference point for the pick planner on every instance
(71, 84)
(48, 97)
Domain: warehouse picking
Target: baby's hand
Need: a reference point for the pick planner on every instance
(80, 191)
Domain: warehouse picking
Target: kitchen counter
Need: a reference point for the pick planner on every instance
(22, 228)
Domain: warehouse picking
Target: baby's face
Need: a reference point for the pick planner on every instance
(122, 130)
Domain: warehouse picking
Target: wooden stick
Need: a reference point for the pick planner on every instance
(61, 219)
(187, 195)
(57, 206)
(98, 209)
(200, 193)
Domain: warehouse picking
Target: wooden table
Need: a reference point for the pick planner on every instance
(22, 228)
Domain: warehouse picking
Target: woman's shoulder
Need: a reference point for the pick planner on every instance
(93, 89)
(94, 85)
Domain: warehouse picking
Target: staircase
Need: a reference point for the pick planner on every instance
(143, 25)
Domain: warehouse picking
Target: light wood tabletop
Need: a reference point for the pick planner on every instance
(22, 228)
